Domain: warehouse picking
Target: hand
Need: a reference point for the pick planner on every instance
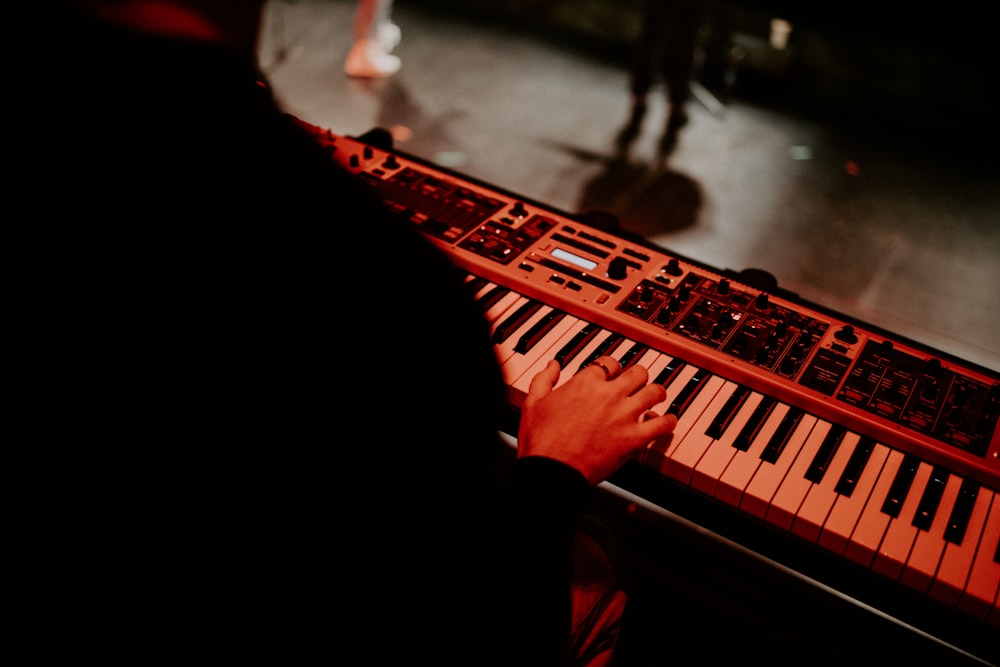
(596, 421)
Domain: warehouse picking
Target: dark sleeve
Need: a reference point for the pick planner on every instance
(543, 503)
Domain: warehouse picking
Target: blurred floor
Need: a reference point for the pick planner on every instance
(882, 229)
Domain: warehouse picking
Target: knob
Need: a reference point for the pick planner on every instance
(846, 334)
(761, 302)
(673, 268)
(617, 268)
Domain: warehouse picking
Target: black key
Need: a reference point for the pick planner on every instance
(901, 486)
(607, 346)
(688, 393)
(931, 499)
(855, 466)
(960, 513)
(513, 322)
(751, 428)
(491, 298)
(673, 367)
(538, 331)
(824, 455)
(577, 343)
(633, 355)
(728, 411)
(779, 439)
(476, 284)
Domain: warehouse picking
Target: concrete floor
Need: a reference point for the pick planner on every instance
(877, 227)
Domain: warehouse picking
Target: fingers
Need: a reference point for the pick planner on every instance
(608, 365)
(543, 382)
(632, 378)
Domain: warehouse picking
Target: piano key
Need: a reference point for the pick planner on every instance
(901, 485)
(520, 385)
(516, 325)
(575, 345)
(744, 464)
(781, 435)
(519, 362)
(980, 596)
(900, 534)
(873, 521)
(931, 498)
(689, 393)
(787, 500)
(676, 383)
(489, 298)
(516, 319)
(768, 479)
(827, 451)
(711, 465)
(688, 417)
(649, 359)
(476, 285)
(750, 430)
(593, 349)
(633, 355)
(853, 497)
(666, 375)
(855, 466)
(727, 412)
(496, 311)
(538, 330)
(819, 500)
(929, 545)
(956, 563)
(606, 347)
(958, 522)
(623, 349)
(692, 446)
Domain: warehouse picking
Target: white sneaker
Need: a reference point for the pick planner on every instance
(368, 59)
(389, 35)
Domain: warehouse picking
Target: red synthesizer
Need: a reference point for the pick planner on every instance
(872, 449)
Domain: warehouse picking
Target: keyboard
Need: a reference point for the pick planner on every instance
(857, 449)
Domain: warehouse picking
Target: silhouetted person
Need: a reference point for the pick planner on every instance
(238, 447)
(665, 49)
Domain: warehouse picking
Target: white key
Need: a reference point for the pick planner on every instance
(901, 533)
(786, 502)
(688, 419)
(817, 504)
(519, 386)
(847, 510)
(744, 464)
(504, 306)
(517, 363)
(713, 462)
(693, 444)
(929, 545)
(980, 596)
(873, 521)
(505, 349)
(956, 563)
(766, 482)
